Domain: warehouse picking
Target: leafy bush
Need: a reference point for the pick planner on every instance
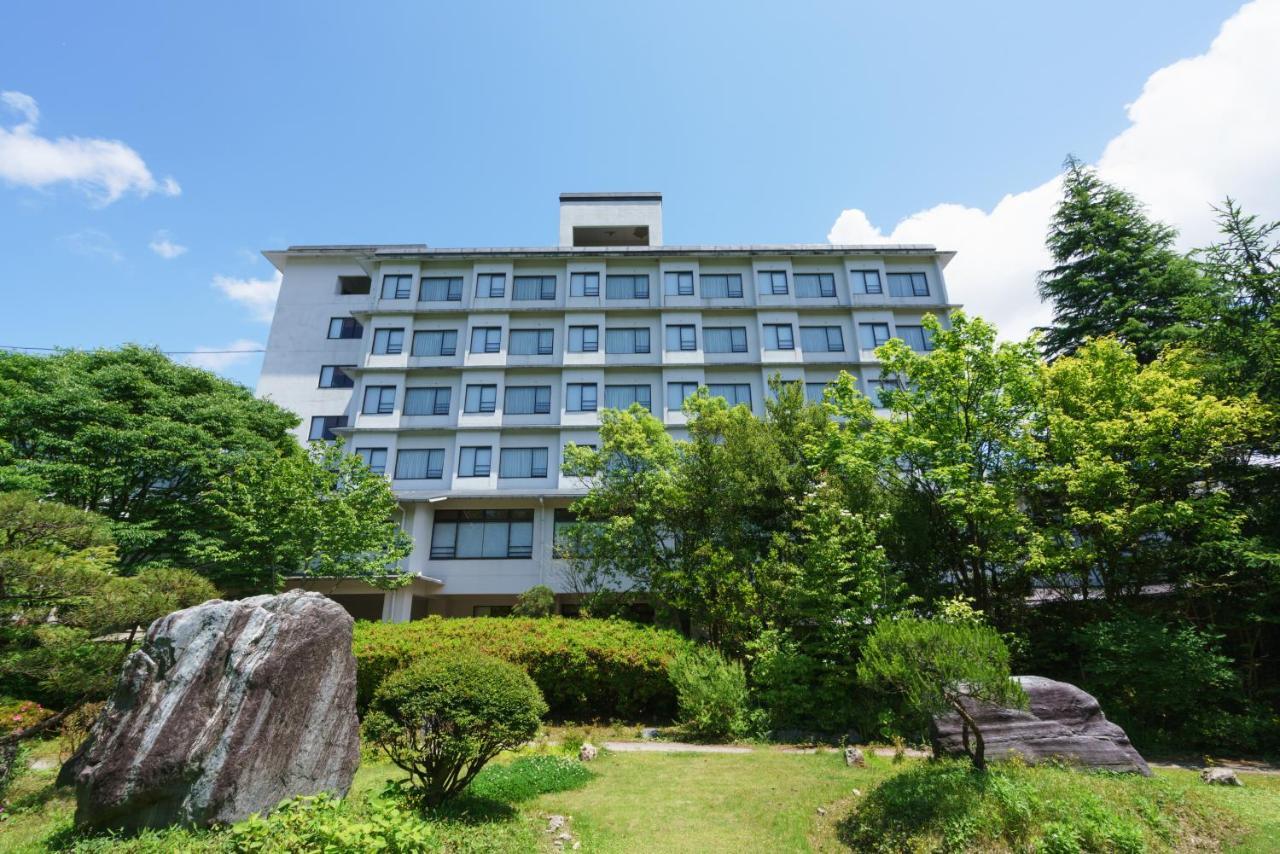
(324, 823)
(528, 777)
(537, 601)
(948, 806)
(601, 669)
(796, 690)
(20, 714)
(711, 693)
(443, 718)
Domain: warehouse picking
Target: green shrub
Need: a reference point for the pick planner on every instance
(444, 717)
(528, 777)
(324, 823)
(586, 669)
(711, 693)
(537, 601)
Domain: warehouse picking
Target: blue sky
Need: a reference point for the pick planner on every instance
(257, 125)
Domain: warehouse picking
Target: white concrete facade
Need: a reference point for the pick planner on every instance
(716, 316)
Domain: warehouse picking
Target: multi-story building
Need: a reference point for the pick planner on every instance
(463, 373)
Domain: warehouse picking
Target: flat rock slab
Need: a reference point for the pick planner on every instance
(1063, 722)
(671, 747)
(225, 710)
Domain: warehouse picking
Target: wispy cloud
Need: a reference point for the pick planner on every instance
(1199, 130)
(164, 247)
(220, 358)
(92, 243)
(105, 169)
(257, 295)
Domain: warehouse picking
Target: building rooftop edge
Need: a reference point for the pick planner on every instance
(638, 196)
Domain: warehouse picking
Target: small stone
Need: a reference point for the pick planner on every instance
(565, 837)
(554, 823)
(1220, 777)
(821, 811)
(857, 793)
(587, 753)
(577, 845)
(853, 758)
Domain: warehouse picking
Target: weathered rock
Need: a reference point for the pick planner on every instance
(587, 753)
(1062, 721)
(1220, 777)
(650, 732)
(225, 710)
(853, 758)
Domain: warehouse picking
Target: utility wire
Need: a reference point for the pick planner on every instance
(165, 352)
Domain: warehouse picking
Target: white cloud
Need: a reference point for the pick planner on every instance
(92, 243)
(257, 295)
(226, 356)
(105, 169)
(164, 247)
(1201, 128)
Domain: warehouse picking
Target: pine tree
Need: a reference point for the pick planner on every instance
(1115, 270)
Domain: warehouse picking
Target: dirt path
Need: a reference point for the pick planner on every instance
(671, 747)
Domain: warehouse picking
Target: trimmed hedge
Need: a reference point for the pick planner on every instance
(587, 669)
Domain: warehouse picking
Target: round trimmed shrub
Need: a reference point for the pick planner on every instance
(443, 718)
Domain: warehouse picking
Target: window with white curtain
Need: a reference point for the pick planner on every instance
(531, 342)
(626, 340)
(582, 397)
(478, 534)
(873, 335)
(527, 400)
(475, 461)
(435, 342)
(865, 281)
(681, 337)
(622, 396)
(480, 398)
(734, 393)
(486, 339)
(388, 342)
(322, 427)
(584, 284)
(584, 339)
(679, 283)
(379, 400)
(397, 287)
(522, 462)
(491, 285)
(916, 337)
(440, 289)
(533, 287)
(677, 392)
(374, 458)
(779, 336)
(822, 339)
(724, 339)
(908, 285)
(431, 400)
(815, 285)
(628, 286)
(772, 281)
(720, 285)
(420, 464)
(814, 392)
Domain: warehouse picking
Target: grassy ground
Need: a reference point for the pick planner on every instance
(767, 800)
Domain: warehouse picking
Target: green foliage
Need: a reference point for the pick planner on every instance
(1115, 271)
(442, 718)
(601, 669)
(938, 666)
(322, 823)
(537, 601)
(947, 806)
(711, 693)
(527, 777)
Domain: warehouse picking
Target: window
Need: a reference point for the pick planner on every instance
(822, 339)
(721, 285)
(531, 342)
(679, 284)
(420, 464)
(908, 285)
(433, 400)
(435, 342)
(813, 392)
(681, 337)
(778, 336)
(584, 284)
(491, 285)
(527, 400)
(814, 285)
(584, 339)
(388, 342)
(876, 387)
(916, 337)
(440, 289)
(470, 534)
(480, 398)
(322, 427)
(475, 461)
(533, 287)
(374, 458)
(865, 282)
(397, 287)
(522, 462)
(724, 339)
(734, 393)
(335, 376)
(626, 340)
(345, 327)
(379, 400)
(772, 281)
(353, 285)
(873, 334)
(565, 519)
(626, 287)
(491, 610)
(677, 392)
(582, 397)
(622, 396)
(486, 339)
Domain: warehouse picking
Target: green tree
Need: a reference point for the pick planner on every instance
(537, 601)
(941, 666)
(320, 513)
(1115, 270)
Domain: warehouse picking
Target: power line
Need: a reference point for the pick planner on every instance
(165, 352)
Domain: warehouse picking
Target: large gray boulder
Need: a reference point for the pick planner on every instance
(1062, 722)
(225, 710)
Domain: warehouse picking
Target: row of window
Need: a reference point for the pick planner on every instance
(473, 461)
(636, 285)
(636, 340)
